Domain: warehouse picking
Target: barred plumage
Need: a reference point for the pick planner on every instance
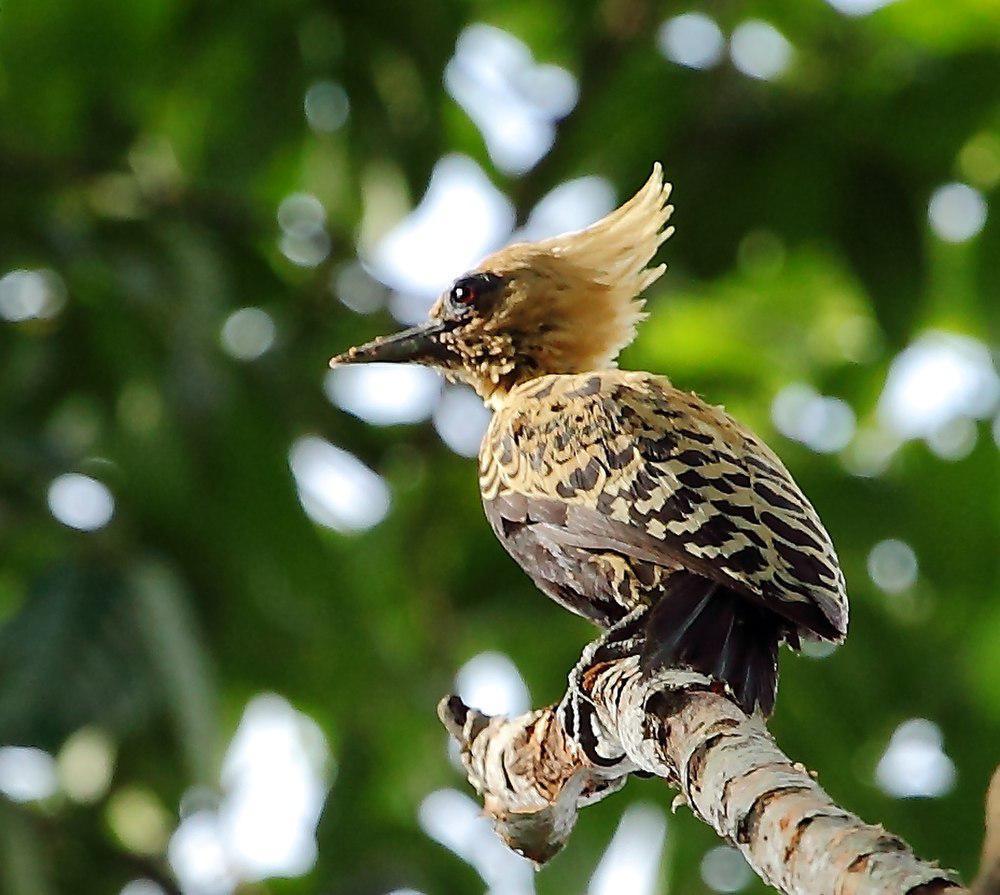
(613, 489)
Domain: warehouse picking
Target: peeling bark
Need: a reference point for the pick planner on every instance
(536, 771)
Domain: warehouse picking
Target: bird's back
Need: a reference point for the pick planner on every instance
(622, 464)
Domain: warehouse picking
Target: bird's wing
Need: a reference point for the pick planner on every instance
(627, 463)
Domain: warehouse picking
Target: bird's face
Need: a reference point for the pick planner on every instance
(470, 334)
(567, 304)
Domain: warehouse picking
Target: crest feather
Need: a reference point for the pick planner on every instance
(574, 300)
(618, 247)
(611, 260)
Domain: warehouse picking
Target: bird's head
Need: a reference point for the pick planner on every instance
(568, 304)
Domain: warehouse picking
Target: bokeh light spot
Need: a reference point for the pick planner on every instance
(514, 102)
(335, 488)
(823, 423)
(31, 295)
(461, 419)
(461, 218)
(27, 774)
(384, 394)
(326, 106)
(85, 764)
(248, 333)
(724, 869)
(572, 205)
(142, 886)
(198, 858)
(357, 289)
(760, 50)
(938, 378)
(955, 439)
(956, 212)
(275, 777)
(458, 823)
(491, 683)
(139, 821)
(892, 565)
(81, 502)
(631, 863)
(914, 764)
(692, 39)
(858, 7)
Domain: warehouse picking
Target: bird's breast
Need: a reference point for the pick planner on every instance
(560, 439)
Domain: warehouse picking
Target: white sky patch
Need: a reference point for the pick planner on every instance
(858, 7)
(31, 295)
(760, 50)
(142, 886)
(818, 649)
(247, 333)
(572, 205)
(631, 862)
(275, 778)
(724, 869)
(914, 764)
(938, 378)
(335, 488)
(956, 212)
(81, 502)
(410, 308)
(458, 823)
(198, 858)
(461, 419)
(821, 422)
(692, 39)
(27, 774)
(892, 565)
(491, 683)
(461, 219)
(513, 101)
(384, 394)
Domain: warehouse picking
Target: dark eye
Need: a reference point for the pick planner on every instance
(468, 290)
(464, 293)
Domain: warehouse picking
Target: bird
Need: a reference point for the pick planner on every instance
(615, 490)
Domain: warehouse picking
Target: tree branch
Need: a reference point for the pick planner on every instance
(537, 770)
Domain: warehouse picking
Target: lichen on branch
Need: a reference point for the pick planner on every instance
(537, 770)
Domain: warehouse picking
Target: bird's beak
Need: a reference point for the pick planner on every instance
(417, 345)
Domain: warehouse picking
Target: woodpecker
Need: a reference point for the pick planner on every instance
(614, 489)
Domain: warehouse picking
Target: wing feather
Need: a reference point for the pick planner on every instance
(625, 462)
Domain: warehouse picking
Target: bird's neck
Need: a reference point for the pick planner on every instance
(504, 394)
(496, 394)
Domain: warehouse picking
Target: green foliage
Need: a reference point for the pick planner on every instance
(144, 150)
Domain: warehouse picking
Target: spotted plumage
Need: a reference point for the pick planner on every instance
(612, 488)
(615, 490)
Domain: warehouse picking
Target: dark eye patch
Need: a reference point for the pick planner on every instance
(468, 290)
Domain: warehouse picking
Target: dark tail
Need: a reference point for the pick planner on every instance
(707, 627)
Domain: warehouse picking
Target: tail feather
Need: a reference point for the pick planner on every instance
(707, 627)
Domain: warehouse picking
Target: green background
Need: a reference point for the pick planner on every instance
(144, 150)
